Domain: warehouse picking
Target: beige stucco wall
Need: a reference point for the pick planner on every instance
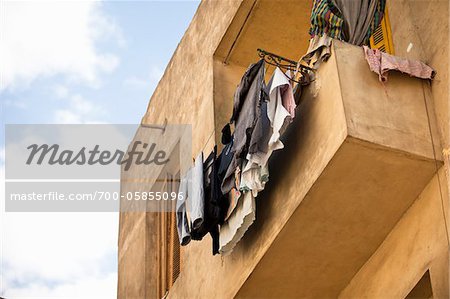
(417, 243)
(423, 28)
(425, 25)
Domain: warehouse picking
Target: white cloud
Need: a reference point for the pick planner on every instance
(41, 39)
(79, 111)
(82, 105)
(64, 116)
(54, 249)
(57, 255)
(95, 289)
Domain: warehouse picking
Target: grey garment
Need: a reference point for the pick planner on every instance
(196, 196)
(358, 16)
(193, 197)
(244, 87)
(182, 221)
(245, 114)
(259, 142)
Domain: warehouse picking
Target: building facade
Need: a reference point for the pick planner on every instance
(357, 204)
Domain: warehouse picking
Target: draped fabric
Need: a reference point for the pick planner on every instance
(327, 19)
(347, 20)
(381, 63)
(361, 18)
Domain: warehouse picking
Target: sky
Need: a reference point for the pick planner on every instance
(75, 62)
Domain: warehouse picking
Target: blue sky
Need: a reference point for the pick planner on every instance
(76, 62)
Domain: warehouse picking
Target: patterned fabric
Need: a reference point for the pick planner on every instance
(376, 21)
(381, 63)
(327, 19)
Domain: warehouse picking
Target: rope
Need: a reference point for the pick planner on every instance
(207, 141)
(436, 164)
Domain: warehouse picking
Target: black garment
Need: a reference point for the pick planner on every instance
(225, 158)
(226, 134)
(210, 210)
(245, 114)
(216, 204)
(220, 167)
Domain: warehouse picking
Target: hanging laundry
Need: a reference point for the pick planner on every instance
(259, 137)
(347, 20)
(281, 108)
(191, 190)
(287, 95)
(235, 194)
(280, 112)
(361, 18)
(232, 231)
(215, 202)
(260, 115)
(223, 162)
(216, 180)
(182, 220)
(210, 208)
(255, 171)
(254, 177)
(381, 63)
(226, 135)
(327, 19)
(319, 50)
(244, 117)
(196, 198)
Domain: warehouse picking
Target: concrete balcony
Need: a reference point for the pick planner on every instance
(356, 157)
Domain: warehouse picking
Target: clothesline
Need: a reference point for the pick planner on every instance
(222, 189)
(274, 57)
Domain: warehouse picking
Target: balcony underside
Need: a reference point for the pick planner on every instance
(345, 216)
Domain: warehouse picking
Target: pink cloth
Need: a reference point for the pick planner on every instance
(381, 63)
(287, 98)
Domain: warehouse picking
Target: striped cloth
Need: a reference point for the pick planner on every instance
(377, 18)
(327, 18)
